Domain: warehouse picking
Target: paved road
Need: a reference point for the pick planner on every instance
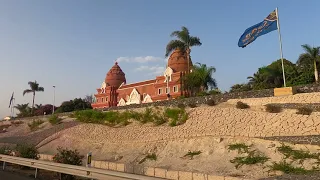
(5, 175)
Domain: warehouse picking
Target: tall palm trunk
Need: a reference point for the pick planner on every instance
(188, 58)
(34, 94)
(316, 75)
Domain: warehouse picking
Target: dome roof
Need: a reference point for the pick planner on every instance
(115, 77)
(178, 61)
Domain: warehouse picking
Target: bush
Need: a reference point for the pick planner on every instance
(252, 158)
(241, 105)
(289, 168)
(34, 125)
(66, 156)
(152, 157)
(304, 111)
(181, 106)
(271, 108)
(211, 102)
(190, 154)
(27, 151)
(192, 105)
(54, 119)
(5, 150)
(177, 115)
(202, 94)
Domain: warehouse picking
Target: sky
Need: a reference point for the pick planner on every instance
(72, 44)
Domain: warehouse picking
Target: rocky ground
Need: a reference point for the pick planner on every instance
(208, 129)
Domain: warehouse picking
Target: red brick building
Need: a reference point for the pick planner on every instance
(115, 92)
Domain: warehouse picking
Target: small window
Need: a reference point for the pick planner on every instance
(167, 90)
(175, 88)
(159, 91)
(106, 98)
(144, 95)
(102, 99)
(97, 100)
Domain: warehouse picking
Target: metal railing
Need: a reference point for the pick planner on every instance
(81, 171)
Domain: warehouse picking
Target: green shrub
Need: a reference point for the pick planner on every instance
(287, 168)
(34, 125)
(211, 102)
(27, 151)
(252, 158)
(54, 119)
(304, 111)
(271, 108)
(192, 153)
(241, 147)
(66, 156)
(152, 157)
(301, 155)
(241, 105)
(192, 105)
(181, 106)
(202, 93)
(5, 150)
(177, 115)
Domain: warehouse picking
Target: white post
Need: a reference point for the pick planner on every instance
(54, 98)
(281, 54)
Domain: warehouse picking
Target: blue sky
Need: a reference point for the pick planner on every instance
(73, 43)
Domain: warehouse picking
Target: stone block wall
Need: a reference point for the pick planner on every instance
(150, 171)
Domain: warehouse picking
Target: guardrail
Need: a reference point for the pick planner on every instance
(81, 171)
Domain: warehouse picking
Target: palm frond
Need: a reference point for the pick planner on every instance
(27, 91)
(174, 44)
(194, 41)
(40, 89)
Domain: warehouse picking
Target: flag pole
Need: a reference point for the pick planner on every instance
(281, 53)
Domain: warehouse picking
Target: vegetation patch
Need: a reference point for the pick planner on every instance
(34, 125)
(192, 153)
(271, 108)
(67, 156)
(252, 158)
(288, 168)
(152, 157)
(240, 147)
(181, 106)
(5, 150)
(192, 105)
(211, 102)
(301, 155)
(304, 111)
(178, 116)
(241, 105)
(54, 119)
(27, 151)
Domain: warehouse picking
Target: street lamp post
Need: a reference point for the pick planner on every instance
(54, 98)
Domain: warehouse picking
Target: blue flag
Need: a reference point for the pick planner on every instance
(267, 25)
(11, 99)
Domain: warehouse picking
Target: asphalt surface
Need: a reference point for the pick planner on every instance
(5, 175)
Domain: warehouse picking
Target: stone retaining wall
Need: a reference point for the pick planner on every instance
(150, 171)
(204, 99)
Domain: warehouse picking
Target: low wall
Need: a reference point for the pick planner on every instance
(150, 171)
(204, 99)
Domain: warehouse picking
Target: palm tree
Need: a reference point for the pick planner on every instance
(34, 87)
(200, 79)
(184, 42)
(24, 110)
(314, 54)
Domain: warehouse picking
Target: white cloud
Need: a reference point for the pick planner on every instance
(140, 59)
(155, 70)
